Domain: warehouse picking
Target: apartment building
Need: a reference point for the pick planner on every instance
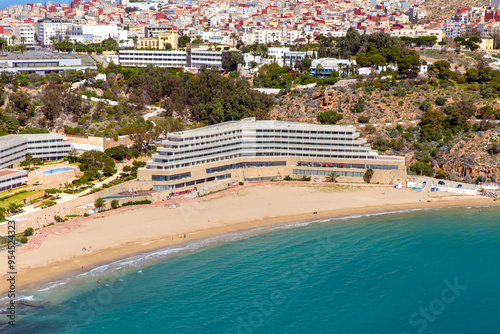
(251, 150)
(46, 147)
(159, 40)
(48, 29)
(25, 35)
(96, 33)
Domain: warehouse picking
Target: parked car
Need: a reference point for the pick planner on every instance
(459, 186)
(441, 183)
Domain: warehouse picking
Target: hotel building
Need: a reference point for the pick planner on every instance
(251, 150)
(46, 146)
(10, 179)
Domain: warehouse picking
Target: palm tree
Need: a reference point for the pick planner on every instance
(3, 211)
(3, 42)
(234, 36)
(68, 185)
(308, 37)
(369, 174)
(12, 207)
(135, 39)
(53, 39)
(13, 38)
(332, 177)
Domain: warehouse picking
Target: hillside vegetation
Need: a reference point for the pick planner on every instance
(445, 9)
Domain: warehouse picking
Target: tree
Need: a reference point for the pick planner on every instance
(99, 204)
(464, 109)
(12, 207)
(351, 43)
(234, 36)
(368, 175)
(29, 157)
(409, 64)
(114, 204)
(332, 177)
(431, 124)
(329, 117)
(3, 42)
(135, 39)
(53, 39)
(110, 44)
(231, 64)
(69, 185)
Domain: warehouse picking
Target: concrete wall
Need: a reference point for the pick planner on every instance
(53, 179)
(122, 140)
(102, 142)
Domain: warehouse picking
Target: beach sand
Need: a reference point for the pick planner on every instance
(142, 229)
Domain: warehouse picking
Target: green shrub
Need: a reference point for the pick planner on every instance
(145, 201)
(24, 240)
(29, 231)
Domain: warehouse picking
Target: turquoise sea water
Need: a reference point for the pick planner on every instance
(433, 271)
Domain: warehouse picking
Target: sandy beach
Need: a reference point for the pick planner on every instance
(142, 229)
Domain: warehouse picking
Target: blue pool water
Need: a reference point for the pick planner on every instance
(57, 170)
(433, 271)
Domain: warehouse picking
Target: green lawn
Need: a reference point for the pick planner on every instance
(6, 192)
(16, 198)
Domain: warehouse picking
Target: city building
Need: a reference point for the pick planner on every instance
(143, 58)
(325, 66)
(10, 178)
(49, 30)
(95, 33)
(24, 35)
(200, 57)
(159, 40)
(46, 147)
(42, 65)
(251, 150)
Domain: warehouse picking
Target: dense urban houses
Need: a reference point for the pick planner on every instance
(252, 150)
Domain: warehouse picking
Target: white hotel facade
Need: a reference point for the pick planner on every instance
(251, 150)
(46, 147)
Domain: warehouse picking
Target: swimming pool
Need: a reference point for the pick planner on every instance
(57, 170)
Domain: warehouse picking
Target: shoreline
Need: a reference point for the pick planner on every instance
(30, 277)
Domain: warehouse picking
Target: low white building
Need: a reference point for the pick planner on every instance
(42, 66)
(143, 58)
(323, 67)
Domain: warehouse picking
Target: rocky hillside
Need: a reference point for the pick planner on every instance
(444, 10)
(462, 154)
